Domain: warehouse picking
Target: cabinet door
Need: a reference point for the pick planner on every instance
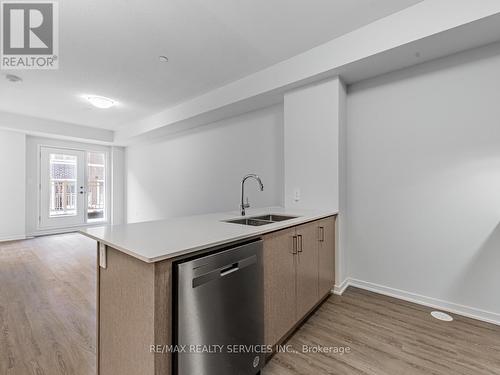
(279, 285)
(307, 268)
(326, 237)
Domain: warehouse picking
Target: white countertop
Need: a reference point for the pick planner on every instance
(153, 241)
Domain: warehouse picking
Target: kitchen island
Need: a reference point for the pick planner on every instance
(135, 280)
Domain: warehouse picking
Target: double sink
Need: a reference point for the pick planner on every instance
(261, 220)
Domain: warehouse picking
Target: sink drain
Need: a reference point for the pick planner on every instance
(442, 316)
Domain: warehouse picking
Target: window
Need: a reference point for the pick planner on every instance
(96, 186)
(62, 171)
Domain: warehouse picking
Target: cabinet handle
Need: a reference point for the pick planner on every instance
(294, 245)
(321, 234)
(300, 243)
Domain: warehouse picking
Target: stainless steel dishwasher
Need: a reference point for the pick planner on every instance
(219, 313)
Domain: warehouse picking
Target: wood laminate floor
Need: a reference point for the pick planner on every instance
(47, 324)
(387, 336)
(47, 306)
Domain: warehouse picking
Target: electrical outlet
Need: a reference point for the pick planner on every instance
(296, 194)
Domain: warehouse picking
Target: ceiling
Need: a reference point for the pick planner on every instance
(111, 48)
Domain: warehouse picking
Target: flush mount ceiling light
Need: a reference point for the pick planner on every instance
(100, 101)
(13, 78)
(163, 58)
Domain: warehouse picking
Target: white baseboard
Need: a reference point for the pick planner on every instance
(339, 289)
(62, 230)
(53, 231)
(14, 237)
(454, 308)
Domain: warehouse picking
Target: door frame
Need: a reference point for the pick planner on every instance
(54, 230)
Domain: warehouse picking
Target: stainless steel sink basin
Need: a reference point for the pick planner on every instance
(261, 220)
(249, 221)
(274, 217)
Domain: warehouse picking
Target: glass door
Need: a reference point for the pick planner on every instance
(96, 187)
(62, 188)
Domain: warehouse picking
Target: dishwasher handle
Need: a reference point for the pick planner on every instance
(229, 270)
(223, 271)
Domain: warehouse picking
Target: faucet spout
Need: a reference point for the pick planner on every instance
(244, 205)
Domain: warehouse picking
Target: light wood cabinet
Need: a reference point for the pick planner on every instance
(133, 312)
(298, 273)
(279, 284)
(307, 268)
(326, 236)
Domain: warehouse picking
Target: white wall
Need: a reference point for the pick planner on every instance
(200, 171)
(54, 129)
(341, 230)
(423, 182)
(12, 185)
(118, 185)
(312, 117)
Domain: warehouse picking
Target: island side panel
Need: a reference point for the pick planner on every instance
(126, 316)
(163, 315)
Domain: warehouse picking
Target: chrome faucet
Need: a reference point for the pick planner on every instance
(244, 205)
